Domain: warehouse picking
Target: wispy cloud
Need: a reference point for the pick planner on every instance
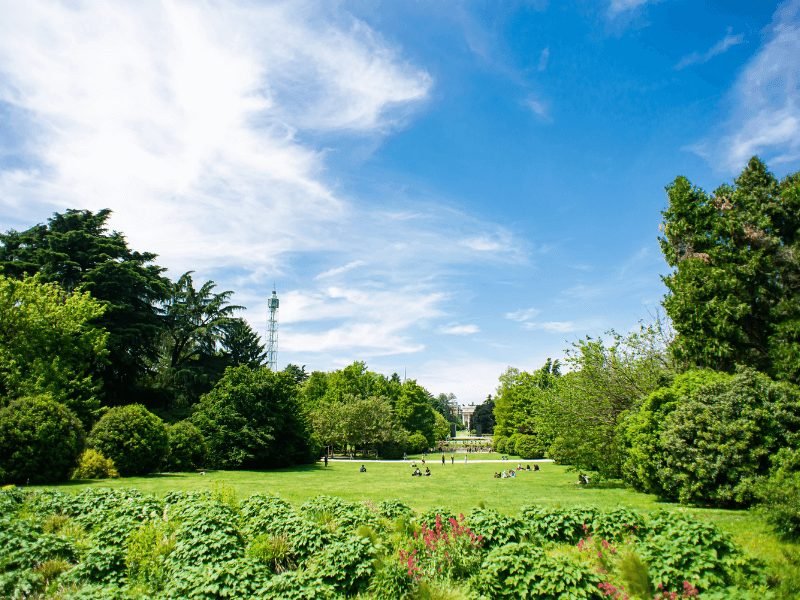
(765, 118)
(190, 111)
(523, 314)
(459, 329)
(698, 58)
(538, 107)
(617, 7)
(544, 59)
(551, 326)
(336, 271)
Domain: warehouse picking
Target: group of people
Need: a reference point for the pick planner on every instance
(417, 473)
(513, 472)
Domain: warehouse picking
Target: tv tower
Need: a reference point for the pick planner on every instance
(272, 332)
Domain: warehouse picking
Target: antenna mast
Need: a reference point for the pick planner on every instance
(272, 332)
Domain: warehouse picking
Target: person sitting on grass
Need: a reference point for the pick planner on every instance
(416, 473)
(583, 479)
(496, 475)
(527, 467)
(512, 473)
(363, 469)
(535, 467)
(427, 472)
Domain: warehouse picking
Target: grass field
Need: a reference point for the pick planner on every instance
(458, 487)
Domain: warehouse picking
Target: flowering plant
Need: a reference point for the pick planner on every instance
(449, 549)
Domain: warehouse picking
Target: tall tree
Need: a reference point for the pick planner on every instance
(483, 418)
(76, 250)
(241, 345)
(734, 294)
(196, 321)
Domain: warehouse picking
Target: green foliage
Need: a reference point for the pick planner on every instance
(606, 381)
(195, 322)
(779, 494)
(522, 570)
(40, 440)
(642, 429)
(48, 344)
(345, 565)
(523, 400)
(242, 346)
(187, 447)
(133, 437)
(147, 551)
(192, 546)
(76, 251)
(733, 296)
(483, 420)
(93, 465)
(251, 419)
(681, 548)
(394, 509)
(529, 446)
(717, 444)
(499, 444)
(417, 443)
(494, 528)
(414, 412)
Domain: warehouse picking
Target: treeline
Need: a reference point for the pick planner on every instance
(705, 409)
(108, 367)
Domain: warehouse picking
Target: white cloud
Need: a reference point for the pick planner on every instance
(617, 7)
(182, 117)
(336, 271)
(460, 329)
(552, 326)
(538, 107)
(765, 118)
(544, 59)
(696, 58)
(523, 314)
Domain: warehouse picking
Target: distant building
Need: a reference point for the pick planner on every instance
(466, 414)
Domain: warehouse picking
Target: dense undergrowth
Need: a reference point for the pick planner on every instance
(104, 543)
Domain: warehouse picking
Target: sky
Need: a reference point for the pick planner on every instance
(439, 189)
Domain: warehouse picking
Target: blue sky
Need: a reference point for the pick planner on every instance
(440, 189)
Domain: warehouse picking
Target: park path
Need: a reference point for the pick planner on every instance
(439, 461)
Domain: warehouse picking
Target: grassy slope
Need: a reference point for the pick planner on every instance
(457, 487)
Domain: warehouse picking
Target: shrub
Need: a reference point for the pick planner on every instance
(133, 437)
(93, 465)
(417, 442)
(499, 444)
(719, 443)
(448, 550)
(529, 446)
(345, 565)
(187, 447)
(525, 571)
(40, 439)
(779, 494)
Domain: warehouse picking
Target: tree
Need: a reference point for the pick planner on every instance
(75, 250)
(443, 404)
(40, 440)
(734, 294)
(252, 419)
(49, 346)
(196, 321)
(133, 437)
(414, 412)
(241, 345)
(483, 418)
(590, 402)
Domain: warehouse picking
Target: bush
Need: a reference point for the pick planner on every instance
(133, 437)
(779, 494)
(417, 443)
(93, 465)
(529, 446)
(719, 443)
(40, 440)
(187, 447)
(499, 444)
